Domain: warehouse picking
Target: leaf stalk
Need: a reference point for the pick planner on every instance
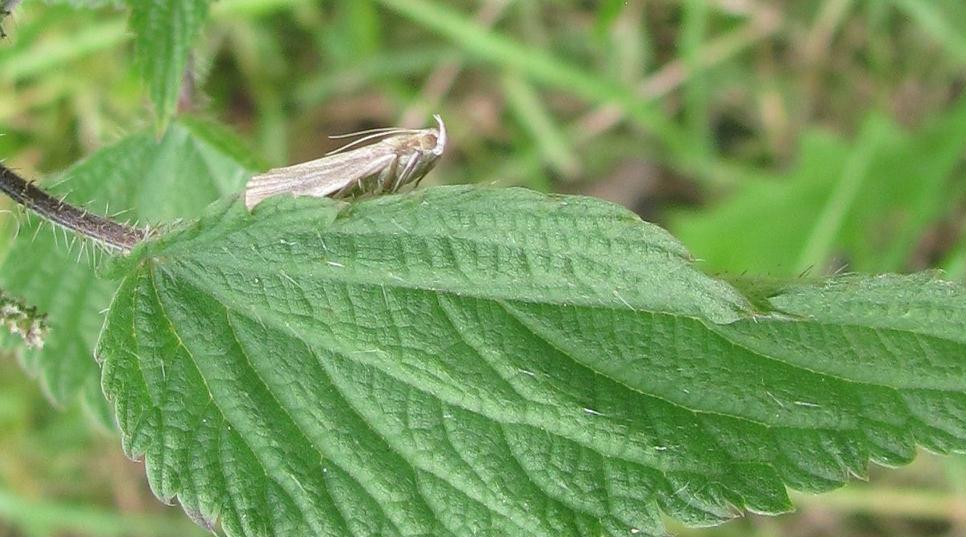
(100, 229)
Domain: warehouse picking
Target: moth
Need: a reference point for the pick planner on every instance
(399, 157)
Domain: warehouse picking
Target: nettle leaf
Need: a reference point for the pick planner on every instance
(165, 31)
(469, 361)
(159, 180)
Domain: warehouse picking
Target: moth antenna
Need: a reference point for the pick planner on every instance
(371, 137)
(368, 131)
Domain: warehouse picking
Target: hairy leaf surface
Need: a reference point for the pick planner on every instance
(158, 181)
(463, 361)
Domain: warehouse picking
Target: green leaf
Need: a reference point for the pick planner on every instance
(868, 203)
(158, 180)
(164, 33)
(937, 23)
(468, 361)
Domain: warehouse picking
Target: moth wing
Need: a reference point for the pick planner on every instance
(318, 178)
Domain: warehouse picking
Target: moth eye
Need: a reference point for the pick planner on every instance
(427, 141)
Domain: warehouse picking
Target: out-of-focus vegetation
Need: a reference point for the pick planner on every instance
(774, 138)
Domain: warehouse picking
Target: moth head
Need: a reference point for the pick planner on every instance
(428, 141)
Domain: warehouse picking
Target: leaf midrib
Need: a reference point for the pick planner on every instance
(363, 274)
(728, 335)
(653, 464)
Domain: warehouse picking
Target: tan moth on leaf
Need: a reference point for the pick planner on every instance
(399, 157)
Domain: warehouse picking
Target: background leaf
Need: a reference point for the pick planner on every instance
(463, 361)
(866, 204)
(165, 31)
(159, 180)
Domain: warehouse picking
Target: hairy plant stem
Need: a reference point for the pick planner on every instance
(98, 228)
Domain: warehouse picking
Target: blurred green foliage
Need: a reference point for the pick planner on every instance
(865, 205)
(178, 175)
(775, 138)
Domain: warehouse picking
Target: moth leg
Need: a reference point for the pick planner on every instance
(344, 191)
(385, 176)
(406, 174)
(354, 187)
(419, 179)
